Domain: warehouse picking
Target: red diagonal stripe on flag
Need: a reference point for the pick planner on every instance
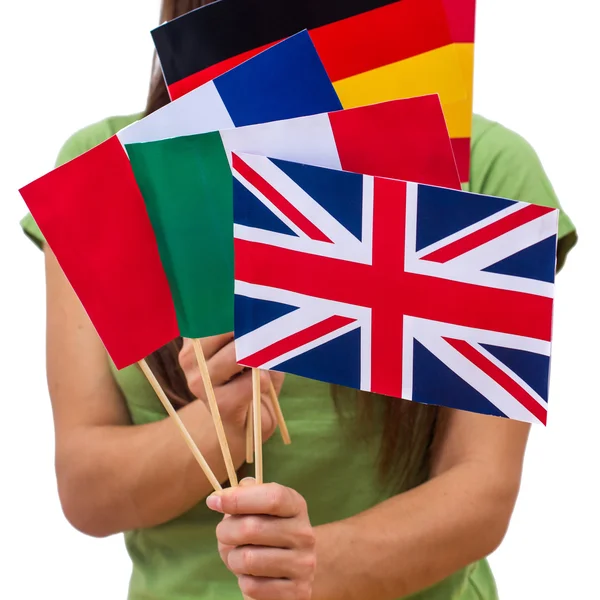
(486, 234)
(500, 377)
(278, 200)
(310, 334)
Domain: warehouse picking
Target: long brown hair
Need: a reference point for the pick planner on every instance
(406, 428)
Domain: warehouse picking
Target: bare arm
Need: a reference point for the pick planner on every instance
(416, 539)
(113, 476)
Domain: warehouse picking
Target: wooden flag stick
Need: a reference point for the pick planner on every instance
(254, 422)
(256, 410)
(285, 434)
(182, 428)
(250, 436)
(214, 411)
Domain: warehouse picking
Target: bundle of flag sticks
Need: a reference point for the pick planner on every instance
(303, 190)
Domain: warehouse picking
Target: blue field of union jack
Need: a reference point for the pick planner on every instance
(417, 292)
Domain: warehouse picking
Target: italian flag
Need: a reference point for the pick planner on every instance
(94, 217)
(373, 50)
(187, 185)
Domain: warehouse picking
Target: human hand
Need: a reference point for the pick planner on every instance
(266, 540)
(232, 383)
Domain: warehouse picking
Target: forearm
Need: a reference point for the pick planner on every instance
(117, 478)
(413, 540)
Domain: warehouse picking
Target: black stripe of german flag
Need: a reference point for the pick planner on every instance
(228, 28)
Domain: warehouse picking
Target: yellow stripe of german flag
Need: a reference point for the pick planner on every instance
(447, 71)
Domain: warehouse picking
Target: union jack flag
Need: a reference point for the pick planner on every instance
(428, 294)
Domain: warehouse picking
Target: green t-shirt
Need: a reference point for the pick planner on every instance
(178, 560)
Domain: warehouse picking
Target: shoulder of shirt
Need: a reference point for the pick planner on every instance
(490, 139)
(505, 164)
(88, 137)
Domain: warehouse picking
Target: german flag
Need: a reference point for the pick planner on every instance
(373, 50)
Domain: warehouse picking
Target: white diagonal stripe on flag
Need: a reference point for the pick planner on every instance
(476, 336)
(476, 378)
(260, 196)
(319, 309)
(357, 254)
(483, 278)
(506, 245)
(276, 330)
(302, 201)
(450, 239)
(310, 345)
(512, 375)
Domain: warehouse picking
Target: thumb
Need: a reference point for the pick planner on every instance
(247, 481)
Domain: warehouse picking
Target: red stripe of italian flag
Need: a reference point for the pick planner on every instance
(94, 219)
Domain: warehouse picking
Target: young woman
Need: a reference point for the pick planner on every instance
(376, 499)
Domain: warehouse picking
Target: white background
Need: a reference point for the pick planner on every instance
(67, 63)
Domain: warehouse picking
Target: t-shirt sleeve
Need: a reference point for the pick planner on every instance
(80, 142)
(72, 148)
(504, 164)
